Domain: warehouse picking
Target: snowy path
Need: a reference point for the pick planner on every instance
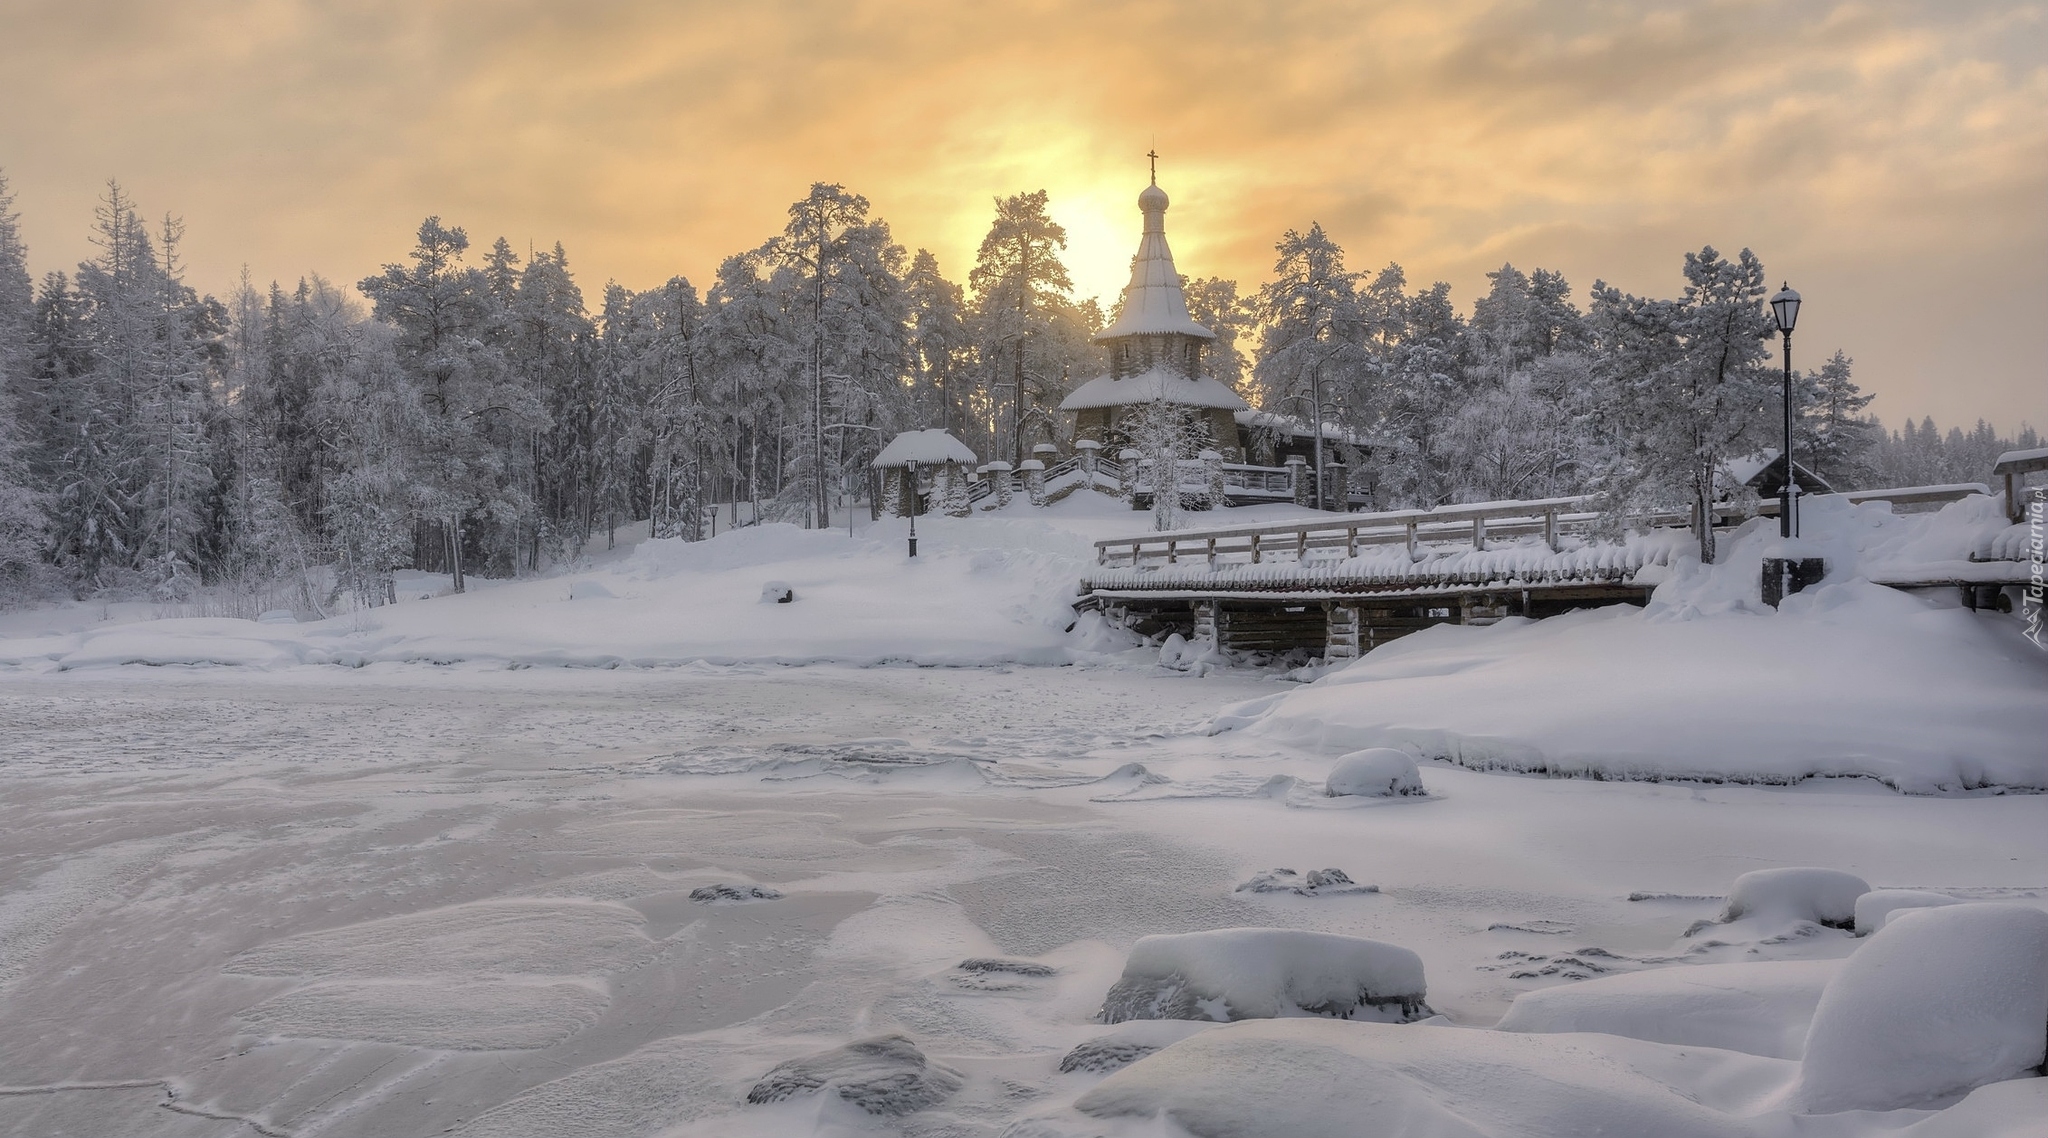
(405, 900)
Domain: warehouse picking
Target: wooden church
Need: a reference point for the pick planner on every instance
(1156, 353)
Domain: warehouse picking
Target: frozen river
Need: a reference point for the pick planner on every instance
(415, 900)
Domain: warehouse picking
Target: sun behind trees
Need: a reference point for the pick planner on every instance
(477, 418)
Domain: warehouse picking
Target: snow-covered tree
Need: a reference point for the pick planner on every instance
(1021, 288)
(1832, 435)
(1686, 384)
(22, 501)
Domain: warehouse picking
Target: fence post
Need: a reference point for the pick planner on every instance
(1034, 480)
(1297, 478)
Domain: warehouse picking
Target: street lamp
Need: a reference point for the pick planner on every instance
(914, 503)
(1785, 308)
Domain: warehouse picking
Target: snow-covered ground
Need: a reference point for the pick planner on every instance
(412, 898)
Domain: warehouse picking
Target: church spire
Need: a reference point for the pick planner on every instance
(1153, 302)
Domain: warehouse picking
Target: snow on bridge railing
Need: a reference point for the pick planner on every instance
(1548, 516)
(1476, 522)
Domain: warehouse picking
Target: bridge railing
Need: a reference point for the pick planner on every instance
(1550, 517)
(1477, 523)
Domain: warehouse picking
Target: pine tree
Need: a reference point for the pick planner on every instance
(1831, 434)
(22, 502)
(1021, 288)
(939, 344)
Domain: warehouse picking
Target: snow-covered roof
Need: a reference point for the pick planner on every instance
(2021, 460)
(1158, 384)
(1153, 302)
(1741, 470)
(930, 447)
(1291, 426)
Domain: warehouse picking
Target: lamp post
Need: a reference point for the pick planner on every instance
(1785, 308)
(911, 476)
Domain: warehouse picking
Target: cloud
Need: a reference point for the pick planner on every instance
(1890, 153)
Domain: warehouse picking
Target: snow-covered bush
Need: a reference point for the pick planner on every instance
(1939, 1001)
(1376, 772)
(1874, 908)
(1234, 974)
(1796, 893)
(886, 1075)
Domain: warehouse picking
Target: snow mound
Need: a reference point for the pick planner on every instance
(777, 593)
(1314, 883)
(446, 1013)
(1305, 1078)
(588, 590)
(495, 937)
(1795, 893)
(1376, 772)
(1939, 1001)
(1235, 974)
(1127, 1044)
(1876, 907)
(1758, 1008)
(886, 1075)
(723, 894)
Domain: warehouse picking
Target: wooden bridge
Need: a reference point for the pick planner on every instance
(1338, 585)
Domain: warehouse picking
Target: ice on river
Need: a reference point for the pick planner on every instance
(422, 900)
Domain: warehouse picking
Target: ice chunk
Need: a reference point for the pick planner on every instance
(722, 893)
(1938, 1001)
(1795, 893)
(1314, 883)
(1758, 1008)
(886, 1075)
(1874, 908)
(1376, 772)
(1234, 974)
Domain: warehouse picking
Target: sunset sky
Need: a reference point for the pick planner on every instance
(1891, 160)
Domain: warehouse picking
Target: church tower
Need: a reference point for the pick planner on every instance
(1155, 348)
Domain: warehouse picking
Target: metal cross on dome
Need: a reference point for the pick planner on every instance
(1153, 154)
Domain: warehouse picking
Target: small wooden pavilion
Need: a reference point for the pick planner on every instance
(942, 463)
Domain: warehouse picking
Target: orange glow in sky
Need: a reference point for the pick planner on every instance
(1890, 159)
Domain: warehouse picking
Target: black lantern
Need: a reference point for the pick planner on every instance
(1785, 306)
(1785, 309)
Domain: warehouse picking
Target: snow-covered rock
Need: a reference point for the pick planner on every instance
(1127, 1043)
(1376, 772)
(1234, 974)
(724, 894)
(1314, 883)
(777, 593)
(1874, 908)
(1795, 893)
(1758, 1008)
(1939, 1001)
(886, 1075)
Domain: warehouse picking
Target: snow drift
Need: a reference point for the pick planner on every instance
(1847, 679)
